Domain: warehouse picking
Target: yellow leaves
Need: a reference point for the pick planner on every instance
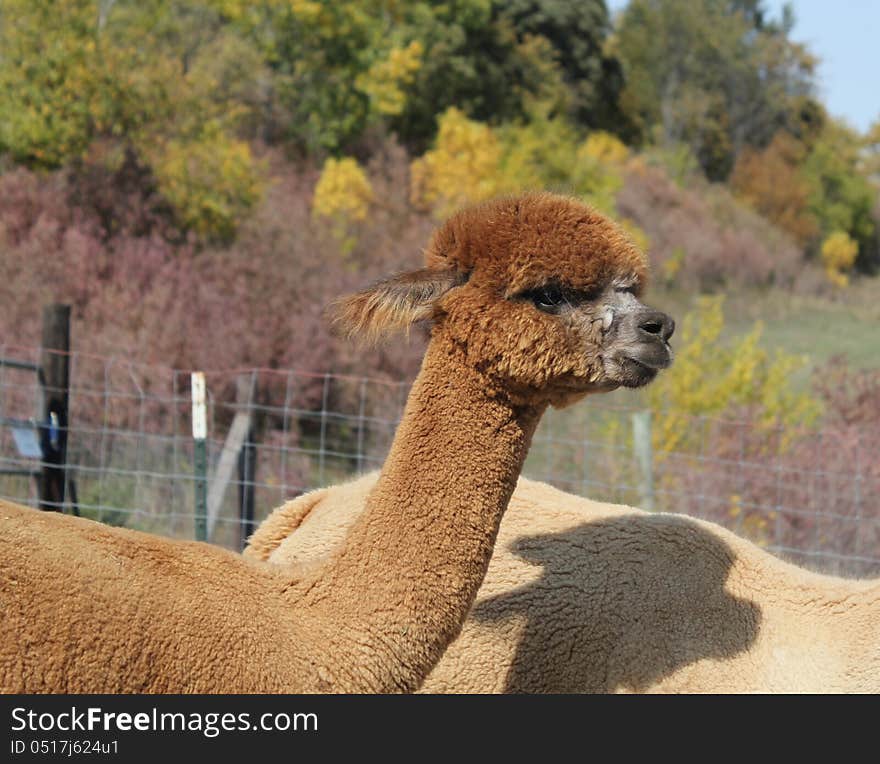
(333, 21)
(523, 164)
(343, 191)
(50, 81)
(672, 265)
(712, 377)
(604, 147)
(342, 196)
(601, 159)
(385, 80)
(471, 162)
(838, 254)
(307, 10)
(463, 168)
(212, 181)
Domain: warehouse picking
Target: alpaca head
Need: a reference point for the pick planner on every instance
(539, 292)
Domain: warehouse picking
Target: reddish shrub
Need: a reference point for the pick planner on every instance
(720, 241)
(140, 292)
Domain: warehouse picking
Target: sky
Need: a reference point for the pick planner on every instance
(845, 36)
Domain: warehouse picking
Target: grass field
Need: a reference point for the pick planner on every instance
(820, 328)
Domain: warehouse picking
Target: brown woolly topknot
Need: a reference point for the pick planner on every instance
(523, 241)
(507, 245)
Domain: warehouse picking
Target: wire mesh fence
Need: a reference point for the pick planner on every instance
(809, 495)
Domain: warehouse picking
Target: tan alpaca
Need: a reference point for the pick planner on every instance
(583, 596)
(533, 301)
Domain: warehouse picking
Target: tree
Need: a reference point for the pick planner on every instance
(841, 197)
(871, 154)
(714, 74)
(472, 161)
(771, 182)
(474, 60)
(577, 31)
(164, 82)
(58, 89)
(341, 70)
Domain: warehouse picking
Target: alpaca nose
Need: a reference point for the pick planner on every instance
(653, 323)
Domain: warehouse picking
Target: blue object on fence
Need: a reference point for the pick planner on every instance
(53, 431)
(26, 441)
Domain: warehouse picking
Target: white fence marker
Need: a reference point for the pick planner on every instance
(200, 458)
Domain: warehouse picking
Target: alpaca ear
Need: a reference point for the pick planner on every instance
(392, 304)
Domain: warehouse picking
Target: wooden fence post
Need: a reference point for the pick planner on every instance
(239, 454)
(54, 376)
(247, 461)
(247, 473)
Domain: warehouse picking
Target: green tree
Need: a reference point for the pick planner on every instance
(315, 52)
(166, 81)
(576, 31)
(714, 74)
(871, 154)
(59, 86)
(841, 196)
(474, 60)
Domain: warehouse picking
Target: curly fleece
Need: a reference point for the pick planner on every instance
(582, 596)
(88, 608)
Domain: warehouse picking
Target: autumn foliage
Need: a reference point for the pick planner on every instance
(771, 182)
(198, 180)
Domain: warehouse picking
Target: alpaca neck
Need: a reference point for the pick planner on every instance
(397, 593)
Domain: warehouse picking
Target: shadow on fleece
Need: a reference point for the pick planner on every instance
(667, 570)
(586, 596)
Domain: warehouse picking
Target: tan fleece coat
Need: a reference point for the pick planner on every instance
(583, 596)
(89, 608)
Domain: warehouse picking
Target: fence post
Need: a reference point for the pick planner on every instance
(641, 421)
(247, 463)
(54, 376)
(200, 456)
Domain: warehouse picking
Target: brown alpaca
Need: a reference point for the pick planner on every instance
(533, 302)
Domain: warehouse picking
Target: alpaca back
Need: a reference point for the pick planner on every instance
(584, 596)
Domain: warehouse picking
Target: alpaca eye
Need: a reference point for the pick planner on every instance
(547, 298)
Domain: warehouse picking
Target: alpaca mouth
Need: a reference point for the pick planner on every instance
(654, 360)
(636, 373)
(640, 368)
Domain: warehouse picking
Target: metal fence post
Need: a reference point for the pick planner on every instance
(641, 421)
(200, 455)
